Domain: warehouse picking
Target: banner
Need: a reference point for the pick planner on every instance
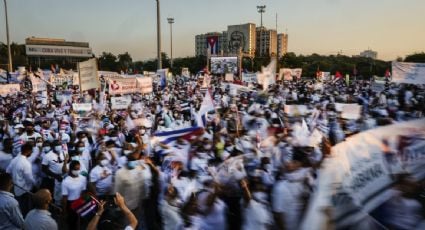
(349, 111)
(410, 73)
(122, 86)
(108, 74)
(82, 107)
(356, 178)
(185, 72)
(377, 86)
(37, 84)
(88, 75)
(295, 110)
(326, 76)
(9, 89)
(249, 77)
(288, 74)
(228, 77)
(120, 102)
(144, 84)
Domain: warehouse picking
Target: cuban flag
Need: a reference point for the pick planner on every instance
(212, 44)
(167, 137)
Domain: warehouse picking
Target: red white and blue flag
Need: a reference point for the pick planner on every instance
(212, 44)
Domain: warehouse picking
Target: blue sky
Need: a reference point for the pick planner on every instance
(391, 27)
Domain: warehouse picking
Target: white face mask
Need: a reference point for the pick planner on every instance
(58, 148)
(126, 152)
(75, 158)
(61, 131)
(81, 149)
(75, 172)
(46, 149)
(104, 162)
(39, 144)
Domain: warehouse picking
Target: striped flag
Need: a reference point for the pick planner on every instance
(167, 137)
(212, 44)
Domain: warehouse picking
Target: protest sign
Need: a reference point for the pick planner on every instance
(326, 76)
(349, 111)
(377, 86)
(120, 102)
(409, 73)
(356, 179)
(249, 77)
(37, 84)
(122, 86)
(295, 110)
(144, 84)
(82, 107)
(228, 77)
(87, 71)
(289, 74)
(8, 89)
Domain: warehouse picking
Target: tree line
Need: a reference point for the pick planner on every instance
(310, 64)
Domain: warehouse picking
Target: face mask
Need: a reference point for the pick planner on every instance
(39, 144)
(75, 172)
(61, 131)
(269, 167)
(104, 162)
(58, 148)
(46, 149)
(81, 149)
(127, 152)
(132, 164)
(114, 138)
(85, 139)
(75, 158)
(142, 131)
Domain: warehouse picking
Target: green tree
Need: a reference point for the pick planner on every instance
(108, 62)
(124, 61)
(416, 57)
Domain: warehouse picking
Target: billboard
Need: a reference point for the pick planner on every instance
(59, 51)
(223, 65)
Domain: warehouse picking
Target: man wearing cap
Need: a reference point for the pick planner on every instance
(29, 133)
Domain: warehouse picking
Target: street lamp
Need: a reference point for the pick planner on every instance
(9, 53)
(158, 34)
(261, 10)
(171, 21)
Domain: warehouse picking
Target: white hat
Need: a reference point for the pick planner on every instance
(19, 126)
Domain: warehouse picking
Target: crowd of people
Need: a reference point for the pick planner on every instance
(247, 164)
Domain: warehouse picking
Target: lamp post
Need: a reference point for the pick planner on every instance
(9, 53)
(171, 21)
(261, 10)
(158, 34)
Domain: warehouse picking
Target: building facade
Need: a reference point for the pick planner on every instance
(202, 41)
(43, 52)
(241, 38)
(266, 44)
(369, 54)
(282, 44)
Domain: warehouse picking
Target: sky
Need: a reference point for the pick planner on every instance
(393, 28)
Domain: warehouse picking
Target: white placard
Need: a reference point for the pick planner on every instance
(82, 107)
(88, 75)
(120, 102)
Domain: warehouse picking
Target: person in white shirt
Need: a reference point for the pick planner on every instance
(29, 133)
(6, 153)
(170, 210)
(52, 165)
(72, 188)
(101, 177)
(83, 154)
(21, 170)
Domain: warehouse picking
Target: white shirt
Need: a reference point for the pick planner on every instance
(103, 184)
(21, 170)
(73, 186)
(54, 162)
(256, 216)
(5, 159)
(32, 137)
(170, 216)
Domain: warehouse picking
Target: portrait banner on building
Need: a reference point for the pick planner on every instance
(87, 71)
(409, 73)
(122, 86)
